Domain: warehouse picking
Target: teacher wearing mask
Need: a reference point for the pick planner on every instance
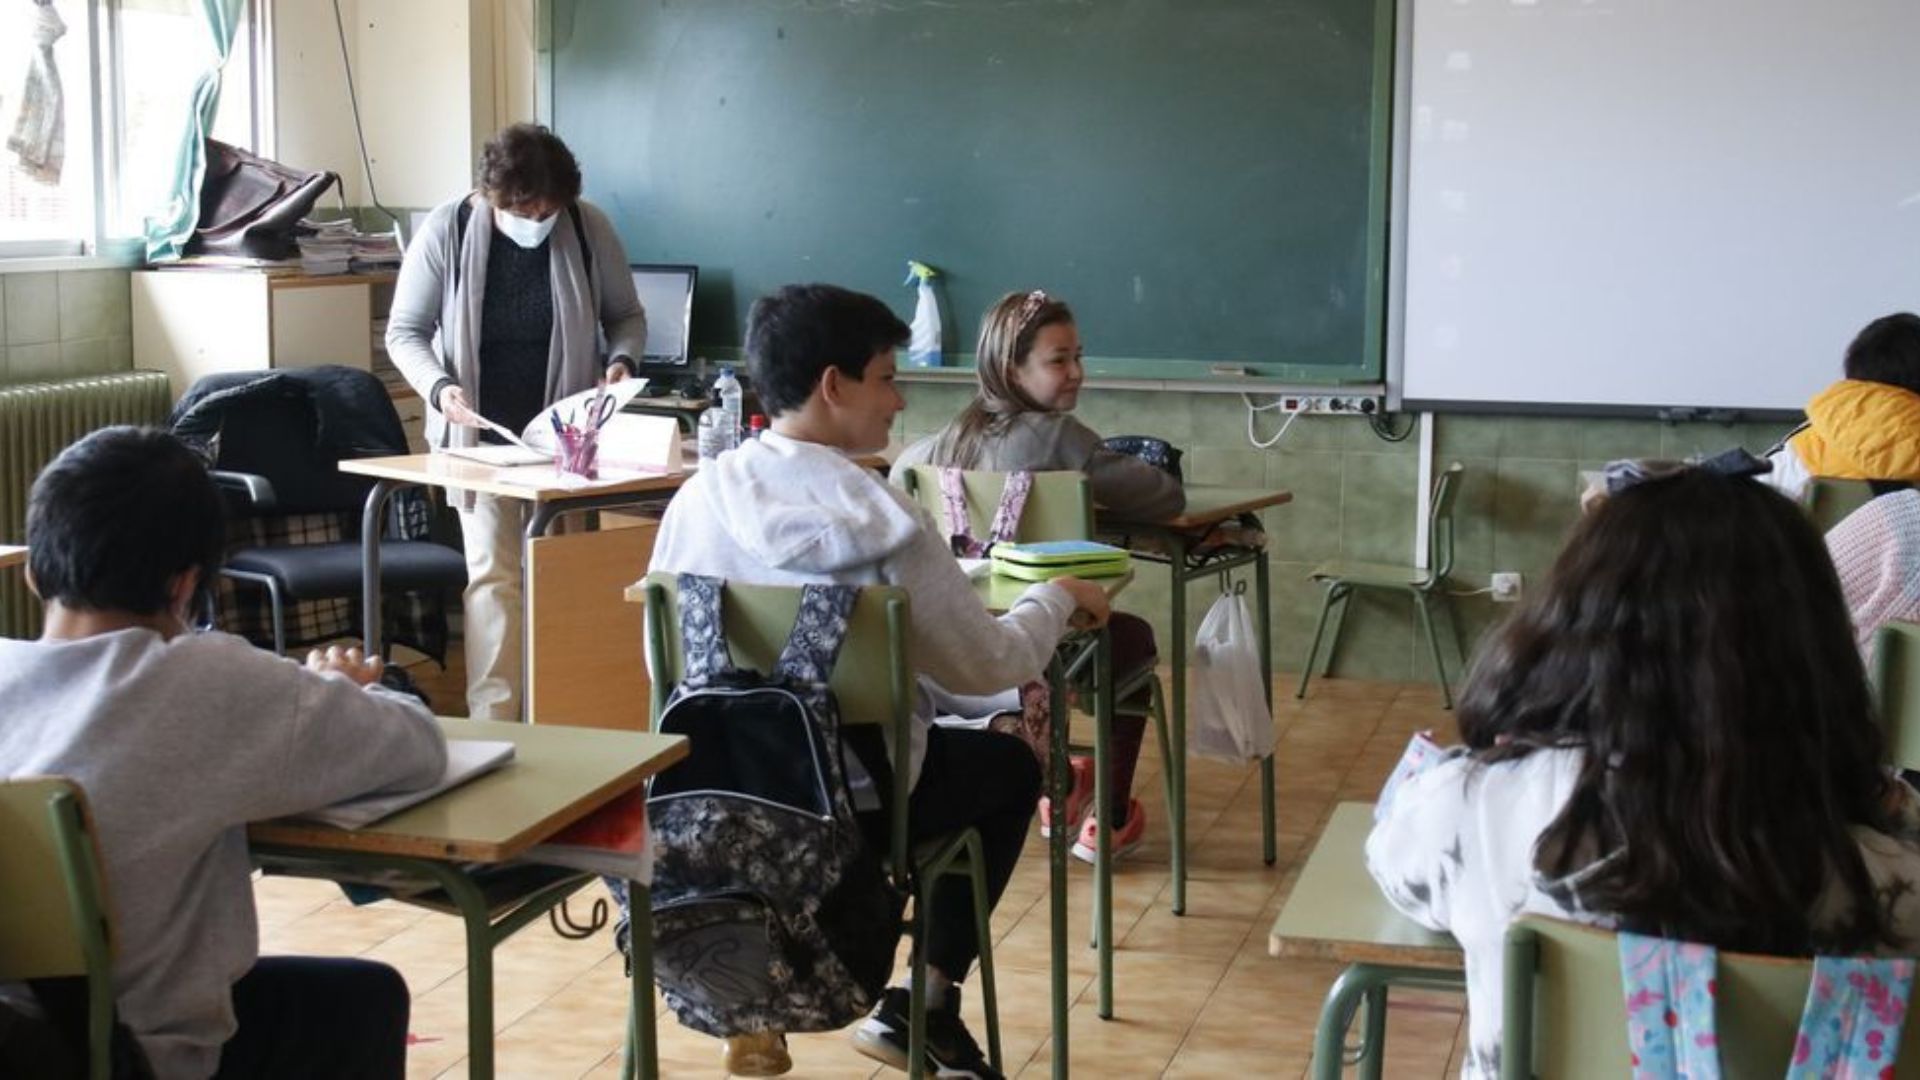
(503, 302)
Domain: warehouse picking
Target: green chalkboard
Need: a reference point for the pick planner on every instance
(1205, 181)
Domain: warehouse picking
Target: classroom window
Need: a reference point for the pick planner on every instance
(122, 74)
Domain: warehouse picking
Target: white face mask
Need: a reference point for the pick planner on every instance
(526, 232)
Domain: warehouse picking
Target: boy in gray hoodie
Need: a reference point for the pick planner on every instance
(179, 740)
(791, 508)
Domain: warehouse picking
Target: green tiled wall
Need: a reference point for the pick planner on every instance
(58, 323)
(1355, 498)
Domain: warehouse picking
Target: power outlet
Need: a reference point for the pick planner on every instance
(1330, 404)
(1506, 587)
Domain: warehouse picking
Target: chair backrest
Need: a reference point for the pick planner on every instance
(1896, 686)
(1829, 500)
(1446, 491)
(277, 433)
(1058, 506)
(872, 680)
(51, 889)
(1565, 1011)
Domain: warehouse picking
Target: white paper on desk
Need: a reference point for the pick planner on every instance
(975, 569)
(466, 759)
(546, 476)
(500, 456)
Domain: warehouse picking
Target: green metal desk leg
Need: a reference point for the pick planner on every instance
(1102, 798)
(1357, 984)
(1057, 860)
(1177, 553)
(481, 939)
(1264, 616)
(641, 1034)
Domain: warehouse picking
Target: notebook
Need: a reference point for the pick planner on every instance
(466, 759)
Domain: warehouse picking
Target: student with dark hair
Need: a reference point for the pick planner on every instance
(1674, 737)
(179, 740)
(502, 302)
(790, 509)
(1867, 425)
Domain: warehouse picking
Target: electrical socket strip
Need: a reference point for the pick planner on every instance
(1330, 404)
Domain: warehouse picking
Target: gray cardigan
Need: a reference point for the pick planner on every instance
(433, 329)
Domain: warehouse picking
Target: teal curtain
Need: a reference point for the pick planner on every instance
(169, 229)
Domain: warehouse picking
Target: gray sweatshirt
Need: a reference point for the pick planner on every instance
(778, 511)
(1039, 441)
(178, 745)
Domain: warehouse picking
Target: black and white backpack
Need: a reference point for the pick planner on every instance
(770, 910)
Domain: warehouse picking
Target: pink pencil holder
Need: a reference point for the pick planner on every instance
(578, 452)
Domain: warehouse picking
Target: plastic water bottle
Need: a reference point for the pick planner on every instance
(711, 437)
(727, 389)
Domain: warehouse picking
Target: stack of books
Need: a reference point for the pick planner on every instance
(327, 248)
(375, 252)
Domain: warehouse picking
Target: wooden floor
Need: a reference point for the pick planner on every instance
(1196, 996)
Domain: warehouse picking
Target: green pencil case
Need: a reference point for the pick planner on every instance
(1060, 558)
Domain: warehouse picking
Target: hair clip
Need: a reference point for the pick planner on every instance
(1733, 464)
(1030, 307)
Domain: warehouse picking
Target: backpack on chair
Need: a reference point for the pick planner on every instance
(770, 911)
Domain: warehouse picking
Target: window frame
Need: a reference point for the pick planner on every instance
(106, 93)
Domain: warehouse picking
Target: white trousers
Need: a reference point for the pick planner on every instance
(494, 532)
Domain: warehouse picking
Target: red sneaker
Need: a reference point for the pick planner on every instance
(1080, 769)
(1124, 839)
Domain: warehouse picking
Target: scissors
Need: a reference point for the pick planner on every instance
(599, 410)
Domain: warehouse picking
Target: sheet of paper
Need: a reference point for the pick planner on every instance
(539, 432)
(466, 759)
(495, 454)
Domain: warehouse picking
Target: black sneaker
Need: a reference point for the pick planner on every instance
(951, 1050)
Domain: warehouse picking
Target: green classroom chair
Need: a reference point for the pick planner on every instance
(1564, 1012)
(1059, 507)
(1829, 501)
(1896, 688)
(51, 885)
(873, 684)
(1428, 586)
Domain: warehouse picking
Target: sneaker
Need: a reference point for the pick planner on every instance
(951, 1050)
(1080, 769)
(760, 1053)
(1123, 841)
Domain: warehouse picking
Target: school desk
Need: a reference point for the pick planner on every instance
(1078, 650)
(11, 555)
(1178, 542)
(1336, 912)
(557, 776)
(581, 660)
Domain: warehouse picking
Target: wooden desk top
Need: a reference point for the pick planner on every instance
(557, 776)
(1336, 912)
(1207, 506)
(11, 555)
(448, 471)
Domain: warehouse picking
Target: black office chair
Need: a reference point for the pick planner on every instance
(274, 442)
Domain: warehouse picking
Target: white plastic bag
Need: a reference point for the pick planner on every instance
(1231, 719)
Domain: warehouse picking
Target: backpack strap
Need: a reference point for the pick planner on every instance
(1006, 516)
(1013, 503)
(703, 635)
(819, 629)
(1670, 991)
(1850, 1025)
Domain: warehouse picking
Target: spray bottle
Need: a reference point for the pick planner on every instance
(923, 344)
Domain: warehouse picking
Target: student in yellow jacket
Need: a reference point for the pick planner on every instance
(1867, 425)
